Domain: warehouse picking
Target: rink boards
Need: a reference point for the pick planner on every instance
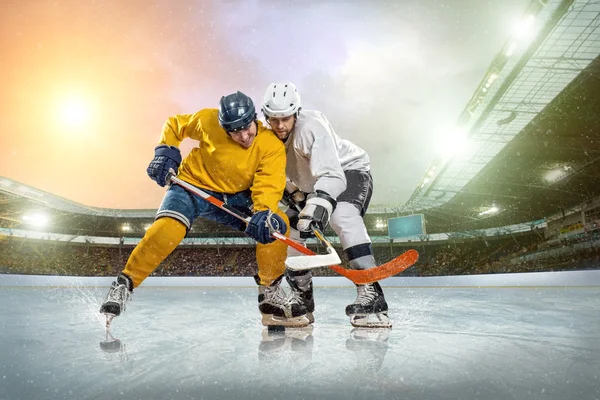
(586, 278)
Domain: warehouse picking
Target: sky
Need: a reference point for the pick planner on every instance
(88, 84)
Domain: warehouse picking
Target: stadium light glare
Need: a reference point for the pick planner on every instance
(524, 28)
(147, 226)
(558, 173)
(126, 227)
(511, 49)
(380, 224)
(453, 144)
(492, 210)
(36, 219)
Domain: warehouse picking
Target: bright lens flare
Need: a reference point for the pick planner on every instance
(74, 112)
(452, 144)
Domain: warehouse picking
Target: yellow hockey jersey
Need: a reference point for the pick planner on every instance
(222, 165)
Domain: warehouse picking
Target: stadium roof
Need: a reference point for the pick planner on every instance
(520, 130)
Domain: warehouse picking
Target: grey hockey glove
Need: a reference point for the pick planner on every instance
(317, 212)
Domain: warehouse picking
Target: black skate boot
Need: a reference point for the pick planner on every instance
(369, 310)
(118, 295)
(302, 290)
(277, 308)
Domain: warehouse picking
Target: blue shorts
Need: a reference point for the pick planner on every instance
(185, 206)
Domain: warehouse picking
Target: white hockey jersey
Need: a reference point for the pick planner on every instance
(317, 157)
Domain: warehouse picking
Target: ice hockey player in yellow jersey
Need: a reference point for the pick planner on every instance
(238, 161)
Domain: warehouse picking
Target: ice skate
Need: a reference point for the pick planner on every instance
(279, 309)
(369, 310)
(117, 298)
(302, 291)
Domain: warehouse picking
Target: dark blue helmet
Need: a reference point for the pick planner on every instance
(236, 111)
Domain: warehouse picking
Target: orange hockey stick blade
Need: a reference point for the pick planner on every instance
(390, 268)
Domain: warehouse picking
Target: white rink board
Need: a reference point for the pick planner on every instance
(531, 279)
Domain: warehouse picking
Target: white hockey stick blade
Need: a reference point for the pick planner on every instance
(301, 263)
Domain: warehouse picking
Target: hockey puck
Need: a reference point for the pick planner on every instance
(276, 328)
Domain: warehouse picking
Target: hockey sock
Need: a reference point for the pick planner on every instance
(160, 240)
(271, 257)
(360, 256)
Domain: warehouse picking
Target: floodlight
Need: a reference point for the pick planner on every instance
(511, 49)
(524, 29)
(558, 173)
(453, 144)
(380, 224)
(492, 210)
(36, 219)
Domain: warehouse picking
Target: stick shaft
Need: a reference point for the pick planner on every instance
(237, 213)
(359, 277)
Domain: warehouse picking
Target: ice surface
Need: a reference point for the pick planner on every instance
(207, 343)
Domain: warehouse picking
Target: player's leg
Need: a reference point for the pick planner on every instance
(370, 308)
(276, 307)
(300, 281)
(173, 219)
(274, 304)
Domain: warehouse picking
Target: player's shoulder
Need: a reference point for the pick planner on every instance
(265, 137)
(206, 119)
(312, 119)
(311, 124)
(207, 115)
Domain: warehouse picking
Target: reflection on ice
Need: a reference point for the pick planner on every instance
(208, 343)
(111, 344)
(370, 347)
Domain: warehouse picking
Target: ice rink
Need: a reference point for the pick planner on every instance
(181, 342)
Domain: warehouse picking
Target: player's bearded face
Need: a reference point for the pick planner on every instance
(245, 137)
(282, 126)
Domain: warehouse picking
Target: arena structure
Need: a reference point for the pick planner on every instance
(522, 176)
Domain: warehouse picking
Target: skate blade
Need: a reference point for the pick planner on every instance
(295, 322)
(371, 321)
(295, 333)
(109, 319)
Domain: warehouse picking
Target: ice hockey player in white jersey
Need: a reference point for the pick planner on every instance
(329, 182)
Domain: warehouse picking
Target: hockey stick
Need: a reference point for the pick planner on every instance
(360, 277)
(310, 260)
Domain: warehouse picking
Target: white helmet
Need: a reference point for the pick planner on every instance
(281, 100)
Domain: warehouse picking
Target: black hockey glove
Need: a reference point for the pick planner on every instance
(295, 200)
(317, 212)
(166, 158)
(262, 223)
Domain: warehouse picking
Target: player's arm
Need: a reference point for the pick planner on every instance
(331, 180)
(267, 189)
(167, 156)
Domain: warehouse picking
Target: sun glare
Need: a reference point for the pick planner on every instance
(74, 111)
